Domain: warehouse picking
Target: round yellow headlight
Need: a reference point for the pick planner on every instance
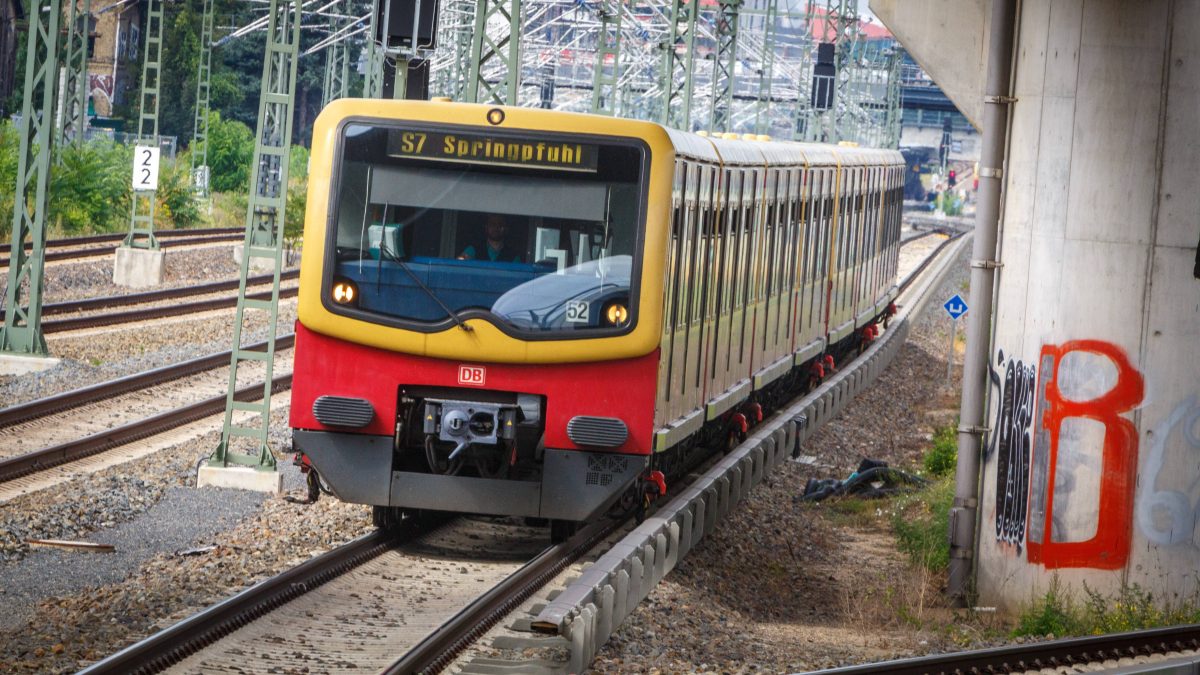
(344, 292)
(616, 314)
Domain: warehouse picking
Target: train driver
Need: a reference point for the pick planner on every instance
(495, 247)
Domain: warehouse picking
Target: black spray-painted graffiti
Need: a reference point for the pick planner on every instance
(1011, 444)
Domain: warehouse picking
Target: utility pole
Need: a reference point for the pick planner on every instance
(75, 91)
(766, 73)
(141, 217)
(678, 68)
(725, 61)
(337, 66)
(373, 85)
(200, 173)
(22, 331)
(265, 216)
(501, 50)
(607, 73)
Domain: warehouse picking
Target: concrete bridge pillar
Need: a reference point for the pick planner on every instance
(1091, 470)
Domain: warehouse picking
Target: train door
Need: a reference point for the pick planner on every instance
(794, 246)
(746, 273)
(671, 358)
(697, 340)
(765, 332)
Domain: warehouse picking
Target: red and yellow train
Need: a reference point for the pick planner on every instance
(531, 313)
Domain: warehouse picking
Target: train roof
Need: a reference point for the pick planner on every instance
(739, 152)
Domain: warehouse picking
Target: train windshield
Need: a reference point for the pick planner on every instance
(536, 233)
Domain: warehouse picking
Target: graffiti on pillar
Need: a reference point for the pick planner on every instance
(102, 85)
(1084, 462)
(1011, 445)
(1168, 508)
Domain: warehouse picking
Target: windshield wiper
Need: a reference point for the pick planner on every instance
(429, 291)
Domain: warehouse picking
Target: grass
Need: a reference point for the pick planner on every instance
(942, 458)
(1058, 613)
(921, 520)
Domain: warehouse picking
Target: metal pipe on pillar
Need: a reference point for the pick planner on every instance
(964, 514)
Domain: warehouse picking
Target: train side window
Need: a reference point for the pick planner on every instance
(677, 238)
(750, 227)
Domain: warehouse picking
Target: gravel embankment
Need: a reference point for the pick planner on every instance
(780, 587)
(784, 586)
(98, 355)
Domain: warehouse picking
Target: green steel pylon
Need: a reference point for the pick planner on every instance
(678, 68)
(502, 48)
(723, 66)
(605, 91)
(264, 234)
(373, 86)
(762, 109)
(337, 65)
(141, 216)
(458, 18)
(200, 174)
(22, 331)
(75, 84)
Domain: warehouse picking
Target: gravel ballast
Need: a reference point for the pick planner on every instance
(780, 587)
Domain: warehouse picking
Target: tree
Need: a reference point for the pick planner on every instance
(230, 151)
(180, 63)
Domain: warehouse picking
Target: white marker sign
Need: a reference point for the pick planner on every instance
(145, 168)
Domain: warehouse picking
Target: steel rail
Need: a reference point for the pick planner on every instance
(440, 647)
(1039, 655)
(169, 646)
(98, 320)
(46, 458)
(92, 304)
(103, 390)
(105, 250)
(916, 272)
(103, 238)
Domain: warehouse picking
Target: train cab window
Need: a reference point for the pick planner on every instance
(534, 233)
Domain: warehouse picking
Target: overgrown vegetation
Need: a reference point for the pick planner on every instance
(90, 190)
(943, 456)
(1058, 613)
(921, 521)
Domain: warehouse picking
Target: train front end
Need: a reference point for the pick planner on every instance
(480, 308)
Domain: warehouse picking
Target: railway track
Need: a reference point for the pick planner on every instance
(397, 628)
(159, 651)
(18, 466)
(1088, 654)
(90, 247)
(180, 646)
(159, 311)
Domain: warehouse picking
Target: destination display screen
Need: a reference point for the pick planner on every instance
(471, 148)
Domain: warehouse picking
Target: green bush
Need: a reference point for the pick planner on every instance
(942, 458)
(1132, 608)
(1051, 614)
(230, 151)
(9, 149)
(176, 203)
(921, 522)
(90, 188)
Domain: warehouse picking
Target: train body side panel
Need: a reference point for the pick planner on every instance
(327, 366)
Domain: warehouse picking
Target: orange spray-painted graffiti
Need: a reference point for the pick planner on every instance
(1108, 547)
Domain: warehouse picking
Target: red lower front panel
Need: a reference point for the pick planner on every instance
(328, 367)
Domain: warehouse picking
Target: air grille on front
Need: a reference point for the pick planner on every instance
(339, 411)
(601, 432)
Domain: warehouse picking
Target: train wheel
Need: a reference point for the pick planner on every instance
(386, 517)
(561, 530)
